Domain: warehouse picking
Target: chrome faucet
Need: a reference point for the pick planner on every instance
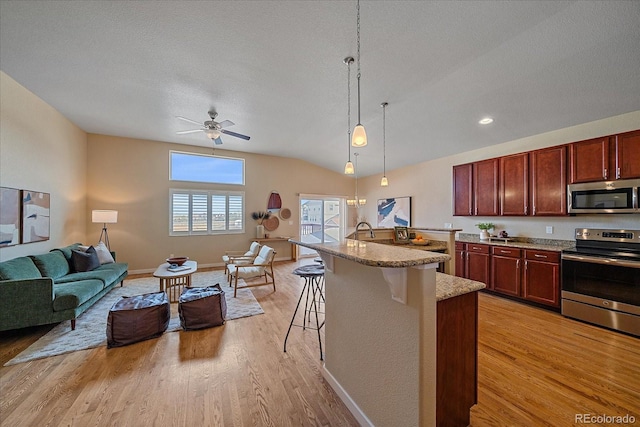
(371, 233)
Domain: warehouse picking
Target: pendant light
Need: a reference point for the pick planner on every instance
(348, 168)
(384, 182)
(356, 201)
(359, 138)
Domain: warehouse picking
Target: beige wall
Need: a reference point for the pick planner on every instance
(132, 177)
(41, 150)
(430, 184)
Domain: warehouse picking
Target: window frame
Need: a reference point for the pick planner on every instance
(209, 228)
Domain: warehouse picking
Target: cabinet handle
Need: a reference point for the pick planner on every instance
(618, 173)
(540, 256)
(504, 252)
(526, 265)
(605, 173)
(518, 264)
(526, 210)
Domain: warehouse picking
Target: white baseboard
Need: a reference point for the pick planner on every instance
(346, 399)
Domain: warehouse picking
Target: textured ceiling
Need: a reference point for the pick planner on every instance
(275, 68)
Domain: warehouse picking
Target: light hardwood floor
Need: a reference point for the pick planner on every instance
(535, 368)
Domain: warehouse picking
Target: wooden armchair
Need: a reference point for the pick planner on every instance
(239, 257)
(262, 266)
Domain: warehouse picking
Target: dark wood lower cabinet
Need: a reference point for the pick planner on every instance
(542, 277)
(457, 359)
(505, 270)
(525, 274)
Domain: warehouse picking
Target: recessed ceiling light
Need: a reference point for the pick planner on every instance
(486, 121)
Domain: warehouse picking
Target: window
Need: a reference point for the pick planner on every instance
(194, 212)
(204, 168)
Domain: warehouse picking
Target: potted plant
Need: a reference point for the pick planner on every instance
(484, 229)
(260, 216)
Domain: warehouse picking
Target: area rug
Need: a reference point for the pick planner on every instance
(91, 325)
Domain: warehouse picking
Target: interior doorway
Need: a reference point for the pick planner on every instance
(322, 220)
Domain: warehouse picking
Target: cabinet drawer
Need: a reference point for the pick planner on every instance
(508, 252)
(460, 246)
(544, 256)
(478, 248)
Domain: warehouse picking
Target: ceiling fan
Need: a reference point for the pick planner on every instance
(212, 129)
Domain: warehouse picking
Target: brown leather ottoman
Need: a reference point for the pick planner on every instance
(138, 318)
(201, 308)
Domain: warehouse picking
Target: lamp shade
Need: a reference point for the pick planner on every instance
(104, 216)
(359, 138)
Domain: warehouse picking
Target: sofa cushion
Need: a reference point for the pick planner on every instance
(66, 250)
(52, 264)
(73, 294)
(19, 269)
(85, 261)
(107, 275)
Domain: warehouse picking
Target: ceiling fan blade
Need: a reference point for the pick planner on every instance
(217, 141)
(189, 120)
(182, 132)
(237, 135)
(226, 123)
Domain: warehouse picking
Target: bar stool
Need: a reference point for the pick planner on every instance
(313, 276)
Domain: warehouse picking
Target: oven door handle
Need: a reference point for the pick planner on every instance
(604, 261)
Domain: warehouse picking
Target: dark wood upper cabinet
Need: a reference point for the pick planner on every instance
(627, 155)
(486, 176)
(606, 159)
(548, 181)
(463, 189)
(589, 160)
(514, 184)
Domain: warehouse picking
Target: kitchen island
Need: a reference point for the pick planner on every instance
(388, 341)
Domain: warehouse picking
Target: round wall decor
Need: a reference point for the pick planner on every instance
(285, 213)
(272, 223)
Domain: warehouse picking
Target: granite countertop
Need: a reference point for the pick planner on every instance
(522, 243)
(433, 245)
(376, 254)
(448, 286)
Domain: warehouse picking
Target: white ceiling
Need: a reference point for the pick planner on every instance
(275, 68)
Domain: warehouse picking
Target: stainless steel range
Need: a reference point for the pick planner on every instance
(601, 279)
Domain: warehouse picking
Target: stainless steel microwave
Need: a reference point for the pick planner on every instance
(604, 197)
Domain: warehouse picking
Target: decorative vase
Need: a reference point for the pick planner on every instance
(484, 235)
(260, 231)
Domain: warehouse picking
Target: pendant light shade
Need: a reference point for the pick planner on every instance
(359, 137)
(348, 168)
(384, 182)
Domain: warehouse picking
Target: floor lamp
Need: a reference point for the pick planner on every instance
(105, 217)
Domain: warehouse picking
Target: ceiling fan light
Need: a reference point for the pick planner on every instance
(359, 138)
(384, 182)
(348, 168)
(212, 133)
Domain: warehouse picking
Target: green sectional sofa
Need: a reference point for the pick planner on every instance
(43, 289)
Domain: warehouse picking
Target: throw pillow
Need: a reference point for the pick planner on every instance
(85, 261)
(104, 255)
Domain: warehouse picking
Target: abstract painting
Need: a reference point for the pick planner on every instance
(394, 212)
(35, 216)
(9, 216)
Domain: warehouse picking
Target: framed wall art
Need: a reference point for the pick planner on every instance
(35, 216)
(9, 216)
(394, 212)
